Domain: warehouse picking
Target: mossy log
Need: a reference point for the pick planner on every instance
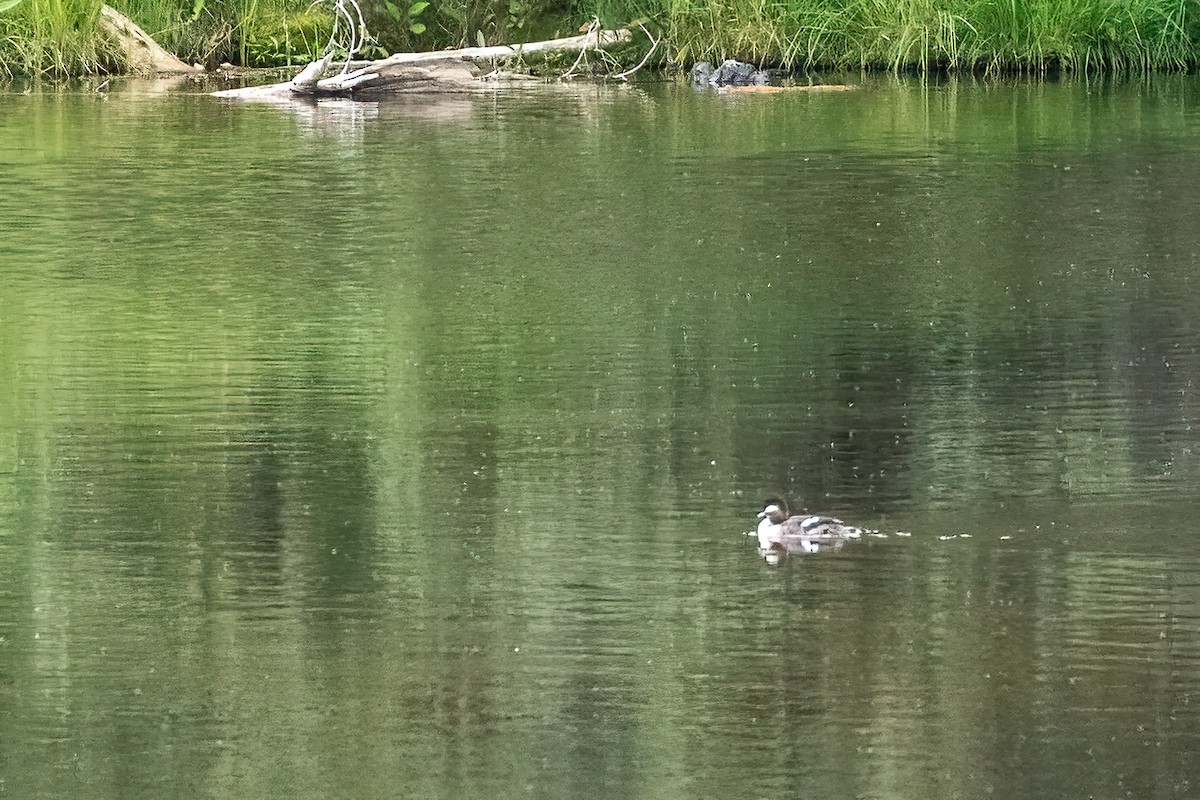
(407, 73)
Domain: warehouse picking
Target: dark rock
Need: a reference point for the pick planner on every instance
(730, 73)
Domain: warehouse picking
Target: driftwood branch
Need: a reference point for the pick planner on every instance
(355, 26)
(438, 71)
(593, 27)
(654, 43)
(590, 40)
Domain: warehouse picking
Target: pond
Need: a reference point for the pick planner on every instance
(410, 450)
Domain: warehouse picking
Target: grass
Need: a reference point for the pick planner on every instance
(256, 33)
(957, 35)
(61, 36)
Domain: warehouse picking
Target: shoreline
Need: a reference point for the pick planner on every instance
(968, 38)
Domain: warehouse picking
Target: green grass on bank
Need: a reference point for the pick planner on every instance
(1003, 35)
(255, 33)
(58, 36)
(62, 36)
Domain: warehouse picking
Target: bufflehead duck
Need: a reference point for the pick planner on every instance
(779, 532)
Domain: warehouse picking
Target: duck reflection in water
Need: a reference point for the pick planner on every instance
(780, 533)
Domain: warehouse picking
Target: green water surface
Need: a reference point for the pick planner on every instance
(407, 450)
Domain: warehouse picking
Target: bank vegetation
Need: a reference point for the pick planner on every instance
(65, 37)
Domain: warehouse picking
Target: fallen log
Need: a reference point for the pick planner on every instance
(405, 73)
(142, 53)
(816, 87)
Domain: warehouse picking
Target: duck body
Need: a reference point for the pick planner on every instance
(779, 532)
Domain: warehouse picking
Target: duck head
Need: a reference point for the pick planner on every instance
(774, 511)
(770, 523)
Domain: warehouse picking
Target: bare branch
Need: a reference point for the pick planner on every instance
(593, 28)
(653, 46)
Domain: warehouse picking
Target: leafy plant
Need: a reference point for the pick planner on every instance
(408, 17)
(414, 11)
